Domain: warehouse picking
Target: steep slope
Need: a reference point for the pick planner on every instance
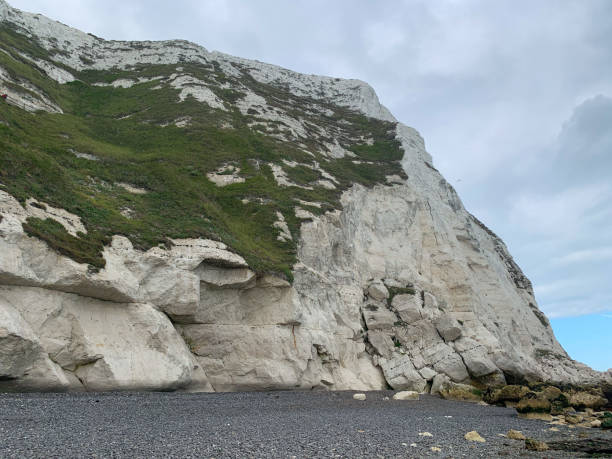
(173, 218)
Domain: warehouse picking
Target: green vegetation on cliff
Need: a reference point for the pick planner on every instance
(109, 136)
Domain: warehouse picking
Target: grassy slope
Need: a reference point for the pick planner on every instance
(169, 162)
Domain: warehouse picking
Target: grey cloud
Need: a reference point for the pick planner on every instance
(564, 219)
(585, 150)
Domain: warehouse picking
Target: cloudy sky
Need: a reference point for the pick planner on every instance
(513, 98)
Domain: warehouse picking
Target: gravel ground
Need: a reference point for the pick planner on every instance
(264, 424)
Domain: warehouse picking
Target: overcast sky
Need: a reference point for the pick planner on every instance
(513, 98)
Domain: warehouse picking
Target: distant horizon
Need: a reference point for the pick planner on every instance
(513, 100)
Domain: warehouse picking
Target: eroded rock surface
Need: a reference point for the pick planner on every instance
(402, 287)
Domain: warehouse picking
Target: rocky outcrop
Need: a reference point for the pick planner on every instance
(100, 347)
(25, 95)
(402, 287)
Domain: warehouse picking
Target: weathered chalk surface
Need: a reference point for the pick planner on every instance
(401, 287)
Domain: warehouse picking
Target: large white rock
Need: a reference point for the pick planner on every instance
(400, 373)
(478, 363)
(448, 327)
(408, 307)
(378, 317)
(24, 365)
(106, 346)
(382, 343)
(378, 291)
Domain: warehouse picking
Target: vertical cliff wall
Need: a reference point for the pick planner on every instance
(394, 282)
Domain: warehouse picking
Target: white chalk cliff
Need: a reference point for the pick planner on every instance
(401, 286)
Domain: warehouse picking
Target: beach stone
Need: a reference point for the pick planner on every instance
(535, 445)
(474, 436)
(515, 435)
(406, 395)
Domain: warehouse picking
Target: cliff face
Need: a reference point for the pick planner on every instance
(394, 282)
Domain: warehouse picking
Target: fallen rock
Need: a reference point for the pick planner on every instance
(359, 397)
(408, 307)
(427, 373)
(425, 434)
(478, 363)
(535, 445)
(452, 365)
(510, 393)
(436, 449)
(406, 395)
(551, 393)
(559, 405)
(587, 400)
(461, 392)
(450, 390)
(378, 317)
(382, 343)
(515, 435)
(448, 327)
(533, 405)
(474, 436)
(593, 447)
(378, 291)
(571, 418)
(401, 374)
(539, 416)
